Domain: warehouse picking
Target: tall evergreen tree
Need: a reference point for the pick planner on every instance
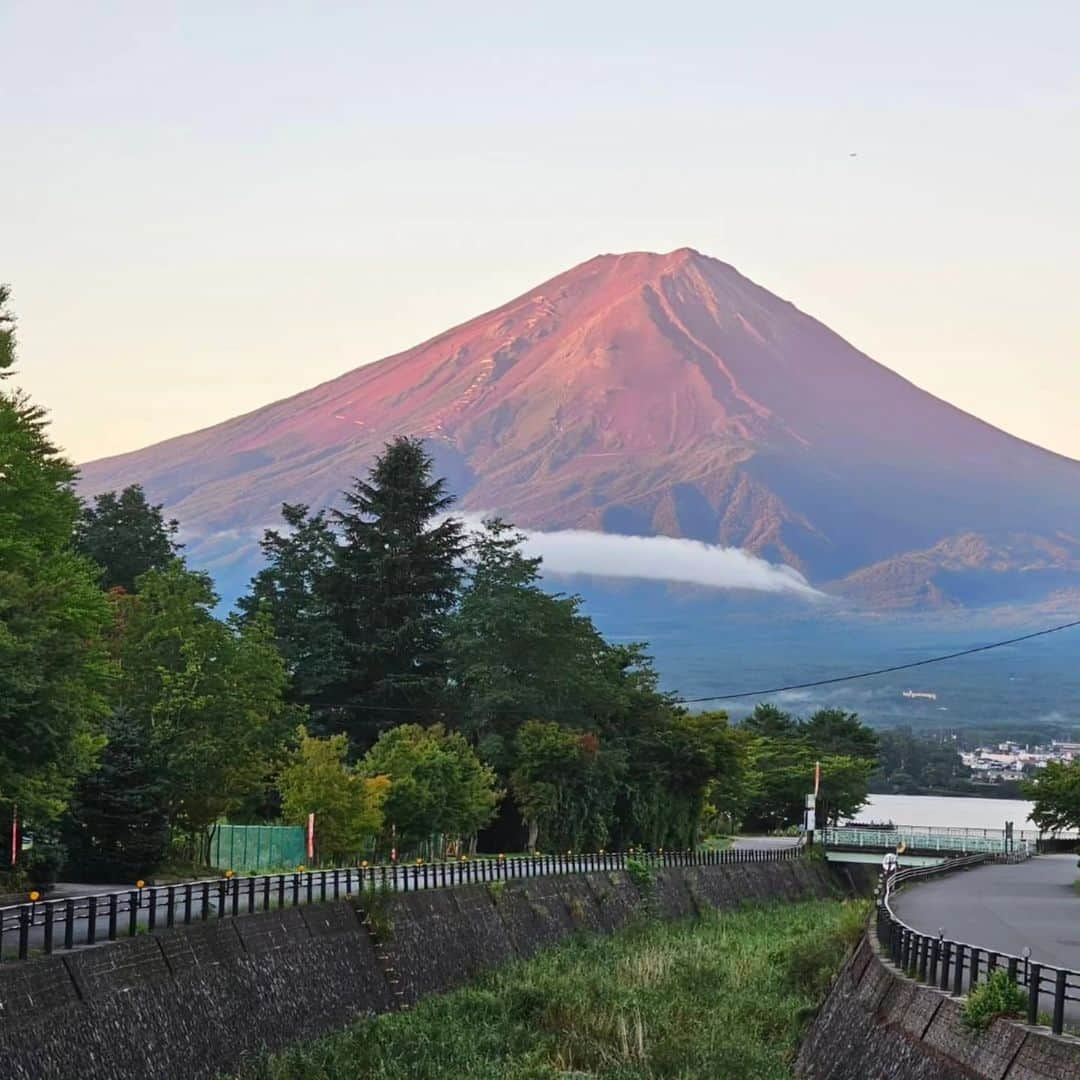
(291, 590)
(395, 578)
(117, 828)
(126, 535)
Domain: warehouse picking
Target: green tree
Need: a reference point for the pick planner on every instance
(117, 829)
(54, 666)
(393, 583)
(517, 653)
(780, 773)
(834, 731)
(210, 694)
(565, 785)
(318, 779)
(291, 590)
(769, 721)
(126, 536)
(438, 786)
(1056, 794)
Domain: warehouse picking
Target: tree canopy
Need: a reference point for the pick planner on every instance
(126, 536)
(1056, 794)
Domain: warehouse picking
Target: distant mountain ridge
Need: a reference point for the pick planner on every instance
(659, 394)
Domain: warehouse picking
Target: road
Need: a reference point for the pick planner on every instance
(1004, 908)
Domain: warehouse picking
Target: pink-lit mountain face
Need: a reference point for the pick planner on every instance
(659, 394)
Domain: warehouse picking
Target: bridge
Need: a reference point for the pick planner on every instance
(929, 840)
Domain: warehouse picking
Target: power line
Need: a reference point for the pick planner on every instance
(879, 671)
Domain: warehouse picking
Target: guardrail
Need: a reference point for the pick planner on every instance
(955, 965)
(46, 926)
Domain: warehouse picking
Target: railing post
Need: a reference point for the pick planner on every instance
(958, 971)
(24, 931)
(973, 975)
(924, 956)
(69, 924)
(1034, 986)
(946, 956)
(113, 906)
(133, 912)
(49, 915)
(1058, 1025)
(91, 920)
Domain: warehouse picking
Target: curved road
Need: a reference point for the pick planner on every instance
(1004, 908)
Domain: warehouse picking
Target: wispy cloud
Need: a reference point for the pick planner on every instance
(661, 558)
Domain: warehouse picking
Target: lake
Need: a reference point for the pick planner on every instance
(942, 811)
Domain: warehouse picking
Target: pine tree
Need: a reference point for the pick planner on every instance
(394, 580)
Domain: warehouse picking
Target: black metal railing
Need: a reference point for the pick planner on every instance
(958, 967)
(46, 926)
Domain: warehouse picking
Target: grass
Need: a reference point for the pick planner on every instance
(725, 996)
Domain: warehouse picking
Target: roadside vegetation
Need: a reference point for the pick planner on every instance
(725, 996)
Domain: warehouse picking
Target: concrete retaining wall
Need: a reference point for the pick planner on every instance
(197, 1001)
(877, 1023)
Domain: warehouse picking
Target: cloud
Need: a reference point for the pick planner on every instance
(661, 558)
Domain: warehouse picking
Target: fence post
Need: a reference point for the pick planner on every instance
(69, 924)
(114, 903)
(133, 912)
(946, 956)
(958, 971)
(24, 931)
(1058, 1025)
(1034, 985)
(973, 976)
(91, 920)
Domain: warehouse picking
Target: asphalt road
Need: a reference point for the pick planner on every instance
(1005, 908)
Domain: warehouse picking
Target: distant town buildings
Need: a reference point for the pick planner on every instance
(1010, 761)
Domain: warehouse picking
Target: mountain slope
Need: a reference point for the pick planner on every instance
(646, 393)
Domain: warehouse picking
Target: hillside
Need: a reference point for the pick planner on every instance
(659, 394)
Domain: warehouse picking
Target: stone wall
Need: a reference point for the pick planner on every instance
(877, 1024)
(199, 1000)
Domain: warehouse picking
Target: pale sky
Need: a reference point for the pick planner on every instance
(201, 212)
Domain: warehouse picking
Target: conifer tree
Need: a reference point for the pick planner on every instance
(395, 578)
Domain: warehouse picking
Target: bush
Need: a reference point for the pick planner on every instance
(998, 996)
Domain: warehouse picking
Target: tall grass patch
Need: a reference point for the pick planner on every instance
(725, 996)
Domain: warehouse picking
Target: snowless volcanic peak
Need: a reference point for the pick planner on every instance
(638, 393)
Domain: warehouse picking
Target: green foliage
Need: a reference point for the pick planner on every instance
(810, 963)
(627, 1006)
(209, 693)
(781, 754)
(910, 763)
(642, 875)
(54, 667)
(999, 996)
(317, 778)
(1056, 794)
(564, 783)
(117, 828)
(126, 536)
(291, 591)
(437, 784)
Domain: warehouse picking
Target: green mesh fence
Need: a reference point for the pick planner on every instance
(258, 847)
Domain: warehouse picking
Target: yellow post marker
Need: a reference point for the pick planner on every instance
(35, 896)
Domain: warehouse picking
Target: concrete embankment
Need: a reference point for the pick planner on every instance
(877, 1024)
(199, 1000)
